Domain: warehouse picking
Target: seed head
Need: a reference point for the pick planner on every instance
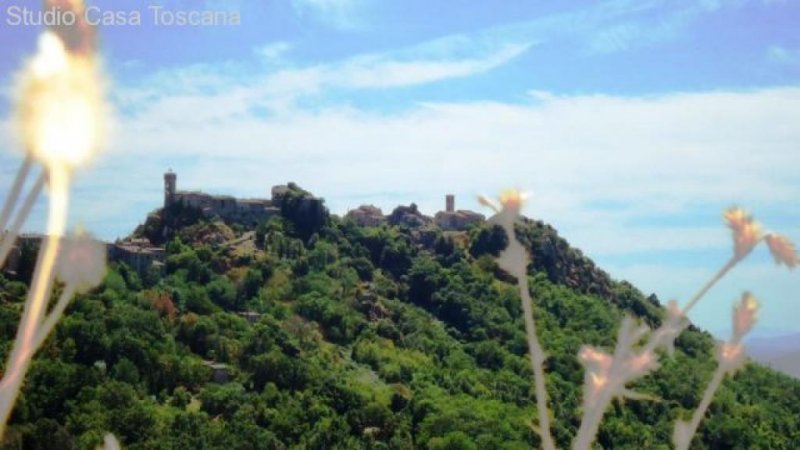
(746, 231)
(744, 315)
(782, 250)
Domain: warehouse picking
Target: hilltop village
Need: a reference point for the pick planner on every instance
(251, 211)
(269, 323)
(143, 250)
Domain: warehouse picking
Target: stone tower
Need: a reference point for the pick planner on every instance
(450, 203)
(170, 182)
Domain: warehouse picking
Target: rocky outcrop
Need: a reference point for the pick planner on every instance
(212, 233)
(568, 266)
(280, 191)
(368, 303)
(307, 213)
(562, 263)
(366, 216)
(409, 216)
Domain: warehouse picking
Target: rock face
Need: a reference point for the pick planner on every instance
(214, 233)
(370, 304)
(366, 216)
(409, 216)
(552, 255)
(457, 220)
(562, 263)
(306, 212)
(280, 191)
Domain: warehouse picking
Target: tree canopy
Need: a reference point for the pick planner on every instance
(330, 335)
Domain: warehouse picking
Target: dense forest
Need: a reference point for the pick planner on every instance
(322, 334)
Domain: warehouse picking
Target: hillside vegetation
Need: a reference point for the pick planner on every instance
(379, 338)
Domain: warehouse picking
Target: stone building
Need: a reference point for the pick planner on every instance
(456, 220)
(139, 254)
(170, 184)
(228, 208)
(14, 258)
(450, 219)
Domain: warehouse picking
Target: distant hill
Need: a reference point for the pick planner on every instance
(781, 353)
(788, 363)
(310, 331)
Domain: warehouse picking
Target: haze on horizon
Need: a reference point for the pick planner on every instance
(632, 124)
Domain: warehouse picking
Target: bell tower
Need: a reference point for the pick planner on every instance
(170, 182)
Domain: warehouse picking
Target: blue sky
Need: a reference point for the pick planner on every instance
(631, 123)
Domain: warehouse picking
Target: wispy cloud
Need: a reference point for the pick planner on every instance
(227, 89)
(623, 25)
(788, 57)
(344, 15)
(378, 72)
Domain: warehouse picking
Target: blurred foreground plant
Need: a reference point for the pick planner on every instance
(514, 260)
(60, 113)
(607, 375)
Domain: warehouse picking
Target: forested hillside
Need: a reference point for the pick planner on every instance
(322, 334)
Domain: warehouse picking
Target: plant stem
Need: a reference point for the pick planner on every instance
(13, 194)
(8, 239)
(700, 412)
(594, 415)
(537, 361)
(53, 316)
(38, 295)
(590, 423)
(702, 292)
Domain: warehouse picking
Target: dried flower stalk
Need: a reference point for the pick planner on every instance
(514, 260)
(607, 381)
(10, 236)
(730, 357)
(13, 194)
